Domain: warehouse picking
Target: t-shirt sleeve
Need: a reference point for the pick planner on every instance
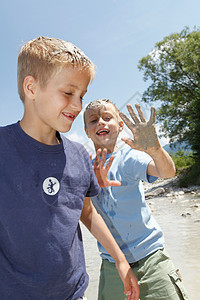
(94, 188)
(151, 178)
(136, 163)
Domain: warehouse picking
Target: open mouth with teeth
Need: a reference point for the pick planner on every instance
(69, 116)
(102, 132)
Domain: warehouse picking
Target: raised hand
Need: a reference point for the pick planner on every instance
(144, 133)
(101, 171)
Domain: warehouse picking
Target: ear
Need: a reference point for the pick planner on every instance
(121, 125)
(29, 86)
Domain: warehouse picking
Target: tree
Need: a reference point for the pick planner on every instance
(173, 68)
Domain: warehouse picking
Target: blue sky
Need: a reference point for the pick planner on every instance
(115, 34)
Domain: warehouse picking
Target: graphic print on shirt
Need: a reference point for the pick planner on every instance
(51, 186)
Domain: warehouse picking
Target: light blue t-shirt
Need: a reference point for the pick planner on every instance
(124, 208)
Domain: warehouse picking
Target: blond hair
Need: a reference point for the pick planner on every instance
(44, 57)
(99, 103)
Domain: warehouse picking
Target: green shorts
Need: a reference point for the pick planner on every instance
(157, 279)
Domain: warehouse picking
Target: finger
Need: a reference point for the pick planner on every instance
(113, 183)
(130, 294)
(97, 158)
(132, 114)
(103, 158)
(135, 288)
(129, 142)
(95, 163)
(140, 113)
(109, 163)
(126, 120)
(153, 115)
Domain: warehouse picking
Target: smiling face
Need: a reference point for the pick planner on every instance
(55, 106)
(60, 102)
(102, 125)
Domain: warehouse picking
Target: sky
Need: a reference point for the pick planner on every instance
(114, 34)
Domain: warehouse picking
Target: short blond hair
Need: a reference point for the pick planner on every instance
(43, 57)
(98, 103)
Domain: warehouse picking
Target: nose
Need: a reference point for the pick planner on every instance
(101, 121)
(76, 103)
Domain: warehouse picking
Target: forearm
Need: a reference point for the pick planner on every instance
(163, 165)
(94, 222)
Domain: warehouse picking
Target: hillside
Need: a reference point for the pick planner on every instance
(173, 148)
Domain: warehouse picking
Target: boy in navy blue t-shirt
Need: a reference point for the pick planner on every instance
(47, 181)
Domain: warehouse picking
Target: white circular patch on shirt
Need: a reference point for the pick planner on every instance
(51, 186)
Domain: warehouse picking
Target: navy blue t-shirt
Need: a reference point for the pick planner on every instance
(42, 190)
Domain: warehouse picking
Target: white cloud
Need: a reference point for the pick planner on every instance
(75, 137)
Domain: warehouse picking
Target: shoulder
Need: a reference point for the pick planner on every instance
(8, 141)
(74, 147)
(128, 159)
(128, 154)
(133, 163)
(6, 131)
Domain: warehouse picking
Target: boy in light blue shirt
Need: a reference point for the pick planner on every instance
(122, 203)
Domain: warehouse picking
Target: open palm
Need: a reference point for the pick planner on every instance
(101, 170)
(144, 133)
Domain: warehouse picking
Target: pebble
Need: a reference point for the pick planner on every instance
(195, 206)
(185, 215)
(181, 193)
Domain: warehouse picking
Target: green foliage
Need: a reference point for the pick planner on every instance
(186, 168)
(173, 69)
(190, 176)
(182, 159)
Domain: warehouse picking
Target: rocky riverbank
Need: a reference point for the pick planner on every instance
(168, 188)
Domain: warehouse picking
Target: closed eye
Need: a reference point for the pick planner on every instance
(71, 94)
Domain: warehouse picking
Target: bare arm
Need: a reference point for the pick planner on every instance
(95, 224)
(162, 165)
(146, 139)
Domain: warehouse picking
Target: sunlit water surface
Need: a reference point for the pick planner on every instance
(179, 219)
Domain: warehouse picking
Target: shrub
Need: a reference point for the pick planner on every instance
(187, 168)
(182, 159)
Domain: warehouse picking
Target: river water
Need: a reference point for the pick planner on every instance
(179, 218)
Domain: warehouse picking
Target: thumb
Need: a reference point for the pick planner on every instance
(129, 142)
(128, 288)
(132, 289)
(113, 183)
(129, 293)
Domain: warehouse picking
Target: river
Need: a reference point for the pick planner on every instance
(179, 218)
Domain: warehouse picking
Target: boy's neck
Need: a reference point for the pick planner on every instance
(109, 149)
(46, 137)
